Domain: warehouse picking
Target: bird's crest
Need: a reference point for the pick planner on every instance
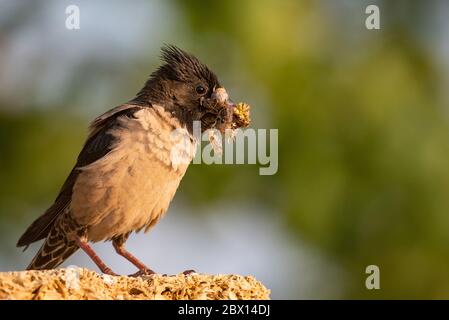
(180, 65)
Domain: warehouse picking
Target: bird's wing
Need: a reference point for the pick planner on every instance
(98, 144)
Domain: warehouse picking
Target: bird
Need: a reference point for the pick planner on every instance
(126, 174)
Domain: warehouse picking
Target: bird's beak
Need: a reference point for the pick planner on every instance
(222, 97)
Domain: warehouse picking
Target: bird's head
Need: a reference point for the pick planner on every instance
(183, 85)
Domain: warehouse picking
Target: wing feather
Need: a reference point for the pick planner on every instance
(98, 144)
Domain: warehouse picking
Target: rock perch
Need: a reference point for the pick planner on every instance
(78, 283)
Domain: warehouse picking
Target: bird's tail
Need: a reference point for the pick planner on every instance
(54, 251)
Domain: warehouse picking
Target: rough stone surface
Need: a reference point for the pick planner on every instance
(85, 284)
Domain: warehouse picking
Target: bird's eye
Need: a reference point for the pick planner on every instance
(200, 89)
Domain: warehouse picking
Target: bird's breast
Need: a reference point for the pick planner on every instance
(131, 187)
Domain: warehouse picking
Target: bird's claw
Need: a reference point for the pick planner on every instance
(109, 272)
(142, 272)
(188, 272)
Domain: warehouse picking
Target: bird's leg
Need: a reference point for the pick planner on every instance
(82, 243)
(119, 246)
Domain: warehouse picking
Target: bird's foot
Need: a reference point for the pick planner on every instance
(188, 272)
(148, 272)
(142, 272)
(109, 272)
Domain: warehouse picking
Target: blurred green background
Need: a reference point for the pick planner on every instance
(363, 133)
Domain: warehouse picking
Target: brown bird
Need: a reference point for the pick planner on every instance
(130, 166)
